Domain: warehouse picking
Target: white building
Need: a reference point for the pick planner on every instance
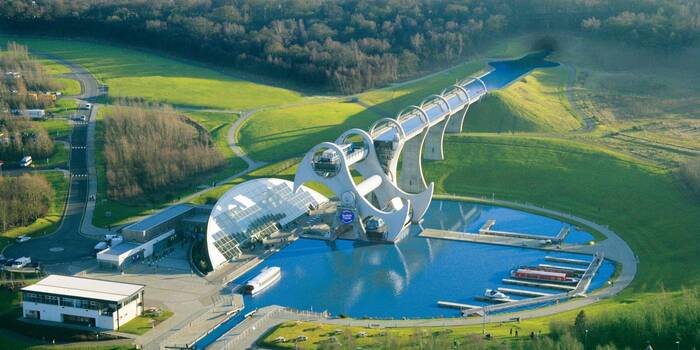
(82, 301)
(253, 210)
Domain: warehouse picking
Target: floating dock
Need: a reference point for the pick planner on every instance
(538, 284)
(453, 305)
(487, 230)
(587, 277)
(564, 268)
(525, 293)
(567, 260)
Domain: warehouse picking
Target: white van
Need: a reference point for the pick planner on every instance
(25, 162)
(21, 262)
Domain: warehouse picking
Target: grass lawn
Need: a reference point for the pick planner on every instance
(59, 158)
(535, 103)
(50, 222)
(52, 67)
(286, 132)
(142, 324)
(70, 86)
(319, 333)
(57, 128)
(133, 73)
(644, 204)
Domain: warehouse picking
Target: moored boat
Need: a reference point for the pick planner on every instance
(266, 278)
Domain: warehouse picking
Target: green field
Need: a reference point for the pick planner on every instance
(535, 103)
(644, 204)
(70, 86)
(286, 132)
(50, 222)
(133, 73)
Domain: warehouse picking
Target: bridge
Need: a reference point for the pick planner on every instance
(387, 201)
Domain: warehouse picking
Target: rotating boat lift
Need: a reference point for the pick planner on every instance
(387, 201)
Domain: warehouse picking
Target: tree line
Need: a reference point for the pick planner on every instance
(23, 200)
(20, 137)
(150, 150)
(348, 45)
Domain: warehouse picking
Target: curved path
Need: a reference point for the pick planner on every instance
(247, 332)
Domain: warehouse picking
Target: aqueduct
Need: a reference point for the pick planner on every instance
(387, 201)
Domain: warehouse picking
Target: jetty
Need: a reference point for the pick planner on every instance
(453, 305)
(522, 292)
(567, 260)
(538, 284)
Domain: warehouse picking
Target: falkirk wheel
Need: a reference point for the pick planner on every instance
(388, 200)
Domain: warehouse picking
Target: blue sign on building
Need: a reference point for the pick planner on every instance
(347, 216)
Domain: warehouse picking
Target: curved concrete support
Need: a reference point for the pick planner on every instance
(434, 141)
(342, 182)
(411, 175)
(436, 134)
(388, 190)
(456, 122)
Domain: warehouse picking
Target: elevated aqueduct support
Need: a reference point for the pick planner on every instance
(386, 202)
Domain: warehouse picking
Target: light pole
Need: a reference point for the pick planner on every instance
(585, 339)
(678, 344)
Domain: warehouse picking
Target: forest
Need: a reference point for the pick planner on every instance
(347, 45)
(151, 150)
(23, 199)
(20, 137)
(24, 82)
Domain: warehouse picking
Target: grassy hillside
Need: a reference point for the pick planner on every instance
(535, 103)
(132, 73)
(281, 133)
(644, 204)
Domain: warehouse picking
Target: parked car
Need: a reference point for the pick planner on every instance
(23, 238)
(25, 162)
(86, 106)
(21, 262)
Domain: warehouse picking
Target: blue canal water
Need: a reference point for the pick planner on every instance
(506, 71)
(407, 279)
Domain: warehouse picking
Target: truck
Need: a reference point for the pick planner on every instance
(35, 113)
(21, 262)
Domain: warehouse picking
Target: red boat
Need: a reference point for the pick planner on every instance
(540, 275)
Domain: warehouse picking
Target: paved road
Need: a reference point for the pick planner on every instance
(237, 150)
(66, 243)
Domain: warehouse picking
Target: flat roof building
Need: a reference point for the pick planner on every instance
(82, 301)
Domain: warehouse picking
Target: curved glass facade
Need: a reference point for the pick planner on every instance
(253, 210)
